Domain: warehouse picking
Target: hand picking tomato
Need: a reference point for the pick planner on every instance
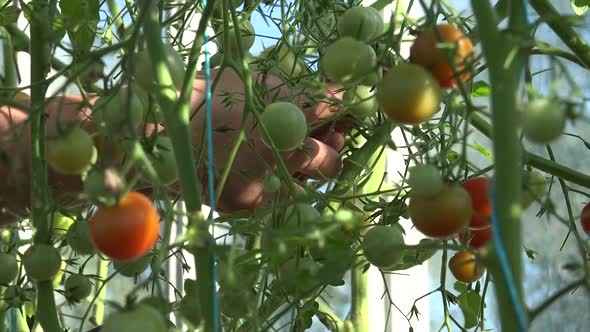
(585, 218)
(408, 94)
(466, 267)
(443, 214)
(72, 153)
(479, 231)
(127, 230)
(430, 50)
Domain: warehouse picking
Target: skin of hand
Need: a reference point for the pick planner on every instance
(244, 188)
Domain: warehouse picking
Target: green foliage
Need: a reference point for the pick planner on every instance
(80, 19)
(580, 6)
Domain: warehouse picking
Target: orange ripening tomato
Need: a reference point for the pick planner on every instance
(585, 218)
(127, 230)
(428, 51)
(480, 230)
(466, 267)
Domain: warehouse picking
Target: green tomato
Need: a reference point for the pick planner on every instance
(133, 268)
(425, 180)
(361, 101)
(286, 125)
(272, 183)
(41, 262)
(79, 239)
(535, 187)
(145, 71)
(143, 318)
(119, 111)
(164, 161)
(8, 268)
(380, 246)
(299, 277)
(543, 120)
(77, 287)
(60, 224)
(284, 61)
(373, 77)
(348, 61)
(301, 214)
(247, 36)
(71, 153)
(319, 18)
(236, 303)
(362, 23)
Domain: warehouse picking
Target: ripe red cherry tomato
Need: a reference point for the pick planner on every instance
(479, 231)
(127, 230)
(425, 51)
(585, 218)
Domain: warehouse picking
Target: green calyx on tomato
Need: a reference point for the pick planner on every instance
(286, 125)
(77, 287)
(127, 230)
(442, 215)
(145, 71)
(142, 318)
(408, 94)
(41, 262)
(383, 246)
(163, 160)
(8, 268)
(132, 268)
(361, 101)
(70, 153)
(543, 120)
(78, 238)
(425, 180)
(348, 61)
(15, 296)
(362, 23)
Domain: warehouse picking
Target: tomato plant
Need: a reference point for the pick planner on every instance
(71, 153)
(8, 268)
(286, 125)
(466, 267)
(361, 101)
(41, 262)
(143, 318)
(425, 180)
(408, 94)
(15, 296)
(348, 61)
(285, 61)
(145, 71)
(127, 230)
(296, 276)
(163, 160)
(383, 246)
(543, 120)
(134, 267)
(362, 23)
(435, 46)
(443, 214)
(585, 219)
(77, 287)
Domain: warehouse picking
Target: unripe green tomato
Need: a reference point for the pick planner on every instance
(535, 186)
(284, 61)
(361, 101)
(425, 180)
(543, 120)
(60, 224)
(77, 287)
(145, 71)
(8, 268)
(286, 125)
(41, 262)
(132, 268)
(373, 77)
(272, 183)
(236, 302)
(143, 318)
(247, 36)
(381, 246)
(301, 214)
(348, 60)
(78, 237)
(164, 161)
(119, 112)
(299, 276)
(362, 23)
(71, 153)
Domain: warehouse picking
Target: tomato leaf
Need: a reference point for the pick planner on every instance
(9, 15)
(81, 18)
(482, 150)
(480, 89)
(380, 4)
(469, 302)
(416, 256)
(580, 6)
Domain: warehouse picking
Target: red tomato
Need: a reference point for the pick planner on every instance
(127, 230)
(585, 218)
(425, 51)
(479, 231)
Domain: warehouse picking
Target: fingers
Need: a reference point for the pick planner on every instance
(316, 159)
